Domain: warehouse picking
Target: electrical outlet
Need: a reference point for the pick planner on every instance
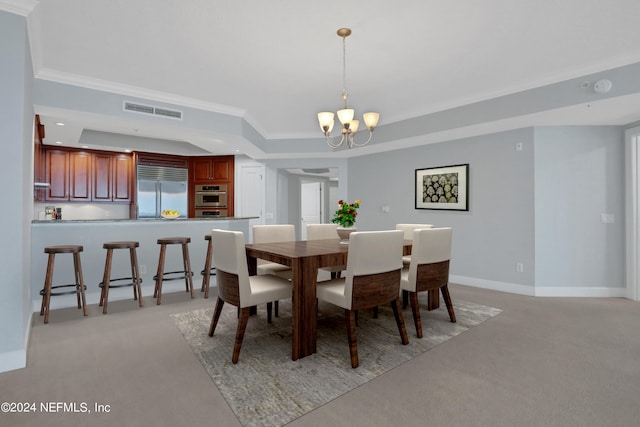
(519, 267)
(143, 269)
(607, 218)
(519, 146)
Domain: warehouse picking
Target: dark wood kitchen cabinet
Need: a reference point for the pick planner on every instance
(69, 175)
(122, 190)
(57, 173)
(209, 169)
(39, 168)
(88, 176)
(112, 177)
(80, 176)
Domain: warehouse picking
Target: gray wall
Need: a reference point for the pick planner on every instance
(540, 207)
(496, 232)
(579, 175)
(16, 134)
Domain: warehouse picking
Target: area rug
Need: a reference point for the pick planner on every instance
(266, 388)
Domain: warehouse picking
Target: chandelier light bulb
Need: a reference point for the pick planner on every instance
(346, 115)
(371, 120)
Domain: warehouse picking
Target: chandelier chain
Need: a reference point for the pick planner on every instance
(344, 71)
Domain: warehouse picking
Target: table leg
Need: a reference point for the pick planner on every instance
(304, 309)
(434, 300)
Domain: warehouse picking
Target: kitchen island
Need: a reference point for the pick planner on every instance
(91, 234)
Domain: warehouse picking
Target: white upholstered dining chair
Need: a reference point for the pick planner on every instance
(237, 288)
(429, 269)
(408, 235)
(372, 278)
(270, 234)
(325, 232)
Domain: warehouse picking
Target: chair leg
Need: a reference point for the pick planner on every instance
(269, 308)
(415, 308)
(80, 281)
(350, 317)
(207, 271)
(216, 316)
(397, 312)
(104, 294)
(375, 312)
(188, 275)
(242, 326)
(277, 305)
(135, 273)
(157, 291)
(46, 298)
(447, 301)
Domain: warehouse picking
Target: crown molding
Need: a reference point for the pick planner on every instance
(19, 7)
(134, 91)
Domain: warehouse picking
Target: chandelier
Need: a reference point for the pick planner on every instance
(349, 125)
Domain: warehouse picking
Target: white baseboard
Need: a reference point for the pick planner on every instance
(12, 360)
(493, 285)
(541, 291)
(580, 291)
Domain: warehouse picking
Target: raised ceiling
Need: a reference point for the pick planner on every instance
(277, 63)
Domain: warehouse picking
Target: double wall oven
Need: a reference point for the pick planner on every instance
(211, 201)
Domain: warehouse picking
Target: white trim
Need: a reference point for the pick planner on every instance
(580, 291)
(632, 228)
(541, 291)
(19, 7)
(134, 91)
(12, 360)
(493, 285)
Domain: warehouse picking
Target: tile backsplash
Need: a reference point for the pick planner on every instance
(84, 210)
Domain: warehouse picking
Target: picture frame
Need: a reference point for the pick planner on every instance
(443, 188)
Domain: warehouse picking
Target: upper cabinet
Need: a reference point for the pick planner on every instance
(77, 176)
(112, 177)
(122, 167)
(57, 174)
(209, 169)
(39, 168)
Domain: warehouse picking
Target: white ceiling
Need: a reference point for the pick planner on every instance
(277, 63)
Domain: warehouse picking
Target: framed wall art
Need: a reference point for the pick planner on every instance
(443, 188)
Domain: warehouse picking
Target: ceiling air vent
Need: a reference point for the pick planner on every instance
(149, 109)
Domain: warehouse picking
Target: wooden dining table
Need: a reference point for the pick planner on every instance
(304, 257)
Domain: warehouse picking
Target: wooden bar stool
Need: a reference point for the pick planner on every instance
(79, 286)
(185, 274)
(208, 270)
(106, 278)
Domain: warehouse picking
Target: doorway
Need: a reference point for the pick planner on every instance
(250, 191)
(311, 204)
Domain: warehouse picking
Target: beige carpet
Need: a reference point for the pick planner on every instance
(267, 388)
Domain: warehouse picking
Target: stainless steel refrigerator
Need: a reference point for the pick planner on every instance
(161, 188)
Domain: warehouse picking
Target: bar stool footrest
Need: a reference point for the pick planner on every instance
(101, 284)
(183, 275)
(212, 272)
(73, 285)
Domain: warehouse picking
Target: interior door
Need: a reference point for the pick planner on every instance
(310, 205)
(251, 193)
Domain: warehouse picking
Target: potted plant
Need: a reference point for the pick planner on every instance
(345, 217)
